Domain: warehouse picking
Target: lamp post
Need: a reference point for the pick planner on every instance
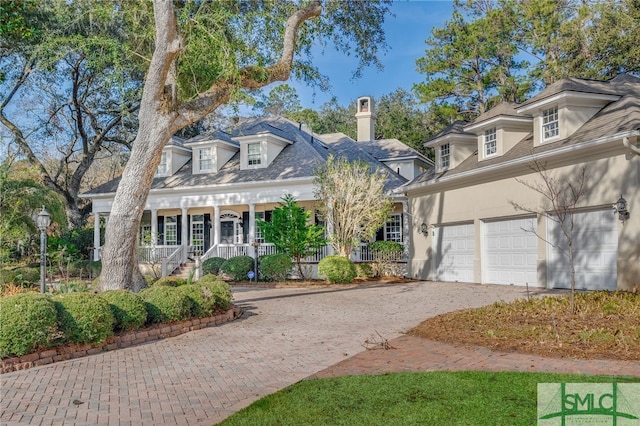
(43, 220)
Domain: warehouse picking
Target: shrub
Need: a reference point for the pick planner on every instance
(129, 310)
(387, 254)
(170, 281)
(84, 317)
(25, 276)
(337, 269)
(364, 270)
(71, 286)
(275, 267)
(237, 267)
(28, 322)
(212, 265)
(207, 297)
(166, 304)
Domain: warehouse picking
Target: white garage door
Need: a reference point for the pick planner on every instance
(454, 252)
(596, 252)
(511, 252)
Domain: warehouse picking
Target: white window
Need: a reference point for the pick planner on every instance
(254, 157)
(197, 234)
(550, 124)
(393, 228)
(259, 238)
(145, 235)
(444, 156)
(490, 142)
(162, 168)
(204, 157)
(171, 230)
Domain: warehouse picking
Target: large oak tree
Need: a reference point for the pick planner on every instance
(204, 53)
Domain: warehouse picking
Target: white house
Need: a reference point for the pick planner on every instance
(464, 224)
(210, 189)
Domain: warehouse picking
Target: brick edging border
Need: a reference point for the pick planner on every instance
(119, 341)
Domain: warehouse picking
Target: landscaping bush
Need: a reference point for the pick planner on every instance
(386, 254)
(166, 304)
(212, 265)
(170, 281)
(28, 322)
(364, 270)
(275, 267)
(237, 267)
(84, 317)
(25, 276)
(207, 297)
(70, 286)
(129, 309)
(337, 269)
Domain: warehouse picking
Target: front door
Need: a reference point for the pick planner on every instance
(226, 232)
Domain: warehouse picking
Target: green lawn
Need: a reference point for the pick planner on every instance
(431, 398)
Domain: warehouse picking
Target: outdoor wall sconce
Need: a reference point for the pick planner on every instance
(424, 229)
(620, 207)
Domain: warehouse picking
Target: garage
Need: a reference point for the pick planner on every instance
(454, 248)
(596, 252)
(511, 252)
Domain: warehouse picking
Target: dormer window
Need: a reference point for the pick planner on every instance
(444, 156)
(162, 167)
(490, 142)
(550, 124)
(205, 160)
(254, 155)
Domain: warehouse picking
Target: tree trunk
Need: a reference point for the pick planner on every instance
(119, 260)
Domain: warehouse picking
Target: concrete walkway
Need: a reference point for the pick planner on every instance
(204, 376)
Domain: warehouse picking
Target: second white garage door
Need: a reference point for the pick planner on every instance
(454, 247)
(511, 251)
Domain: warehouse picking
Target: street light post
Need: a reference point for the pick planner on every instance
(43, 220)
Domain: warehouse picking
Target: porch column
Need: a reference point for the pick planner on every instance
(184, 229)
(406, 237)
(252, 229)
(216, 225)
(96, 236)
(154, 227)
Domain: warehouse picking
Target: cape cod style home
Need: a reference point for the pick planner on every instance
(209, 190)
(464, 223)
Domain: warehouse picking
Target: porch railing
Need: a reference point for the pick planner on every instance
(174, 260)
(169, 258)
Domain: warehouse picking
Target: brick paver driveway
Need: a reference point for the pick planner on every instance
(204, 376)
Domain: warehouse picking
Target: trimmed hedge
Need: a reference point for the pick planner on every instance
(364, 270)
(212, 265)
(238, 267)
(275, 267)
(337, 269)
(170, 281)
(84, 317)
(207, 298)
(28, 322)
(129, 309)
(165, 304)
(219, 288)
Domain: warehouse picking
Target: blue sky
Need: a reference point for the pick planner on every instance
(406, 34)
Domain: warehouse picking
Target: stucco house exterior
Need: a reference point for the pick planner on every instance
(209, 190)
(465, 226)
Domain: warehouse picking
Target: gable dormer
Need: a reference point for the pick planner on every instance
(211, 151)
(258, 151)
(563, 107)
(452, 146)
(174, 156)
(498, 130)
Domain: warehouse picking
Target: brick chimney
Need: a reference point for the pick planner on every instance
(366, 119)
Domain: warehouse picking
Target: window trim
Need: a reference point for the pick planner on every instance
(395, 219)
(490, 144)
(550, 124)
(201, 159)
(443, 157)
(163, 167)
(254, 159)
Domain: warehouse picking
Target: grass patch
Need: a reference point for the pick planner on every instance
(606, 325)
(435, 398)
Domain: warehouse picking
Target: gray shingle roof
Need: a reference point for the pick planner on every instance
(300, 159)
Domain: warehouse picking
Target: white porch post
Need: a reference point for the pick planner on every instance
(96, 236)
(216, 225)
(154, 227)
(252, 229)
(184, 229)
(406, 237)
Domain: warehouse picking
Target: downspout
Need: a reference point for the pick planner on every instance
(633, 148)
